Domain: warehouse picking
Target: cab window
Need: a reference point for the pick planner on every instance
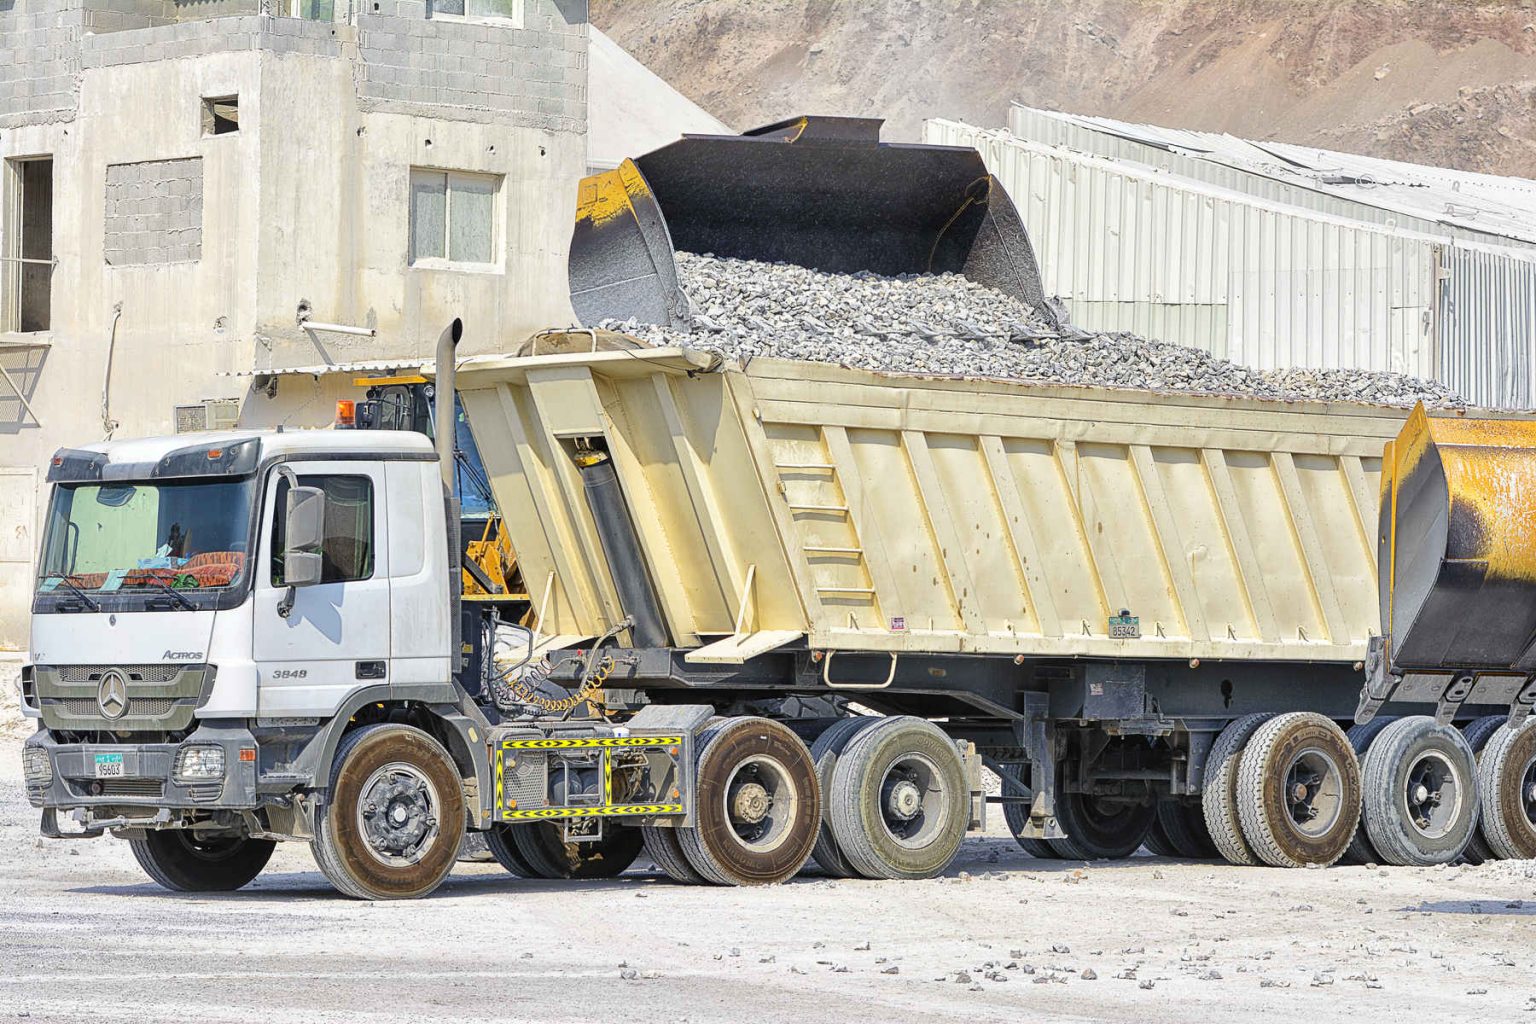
(348, 551)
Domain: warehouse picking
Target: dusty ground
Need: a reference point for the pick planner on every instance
(84, 936)
(1447, 82)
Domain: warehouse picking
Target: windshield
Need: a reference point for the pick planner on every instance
(116, 537)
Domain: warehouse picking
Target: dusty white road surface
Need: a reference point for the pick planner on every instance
(84, 936)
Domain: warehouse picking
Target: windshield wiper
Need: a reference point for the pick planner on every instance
(161, 584)
(75, 588)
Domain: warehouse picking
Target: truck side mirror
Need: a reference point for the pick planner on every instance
(303, 535)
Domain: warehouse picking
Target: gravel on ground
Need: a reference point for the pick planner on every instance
(85, 936)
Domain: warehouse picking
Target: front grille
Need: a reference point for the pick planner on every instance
(117, 787)
(135, 673)
(138, 707)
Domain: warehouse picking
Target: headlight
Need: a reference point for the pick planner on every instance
(199, 763)
(35, 766)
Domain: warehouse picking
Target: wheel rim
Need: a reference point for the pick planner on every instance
(1314, 792)
(761, 800)
(397, 814)
(210, 848)
(912, 800)
(1431, 795)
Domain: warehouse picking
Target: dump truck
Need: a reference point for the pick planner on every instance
(750, 618)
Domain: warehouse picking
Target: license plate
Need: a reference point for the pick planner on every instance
(109, 766)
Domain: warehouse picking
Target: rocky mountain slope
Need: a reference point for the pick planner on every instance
(1449, 82)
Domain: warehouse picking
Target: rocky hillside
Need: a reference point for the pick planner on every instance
(1449, 82)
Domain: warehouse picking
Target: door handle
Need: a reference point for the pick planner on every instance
(370, 670)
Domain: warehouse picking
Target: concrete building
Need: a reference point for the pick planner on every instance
(188, 186)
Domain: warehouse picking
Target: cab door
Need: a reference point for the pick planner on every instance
(336, 637)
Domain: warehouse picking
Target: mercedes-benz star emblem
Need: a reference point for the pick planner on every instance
(112, 696)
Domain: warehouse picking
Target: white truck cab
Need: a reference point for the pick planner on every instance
(206, 612)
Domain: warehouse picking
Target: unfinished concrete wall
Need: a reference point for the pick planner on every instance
(308, 200)
(531, 74)
(117, 15)
(154, 212)
(39, 60)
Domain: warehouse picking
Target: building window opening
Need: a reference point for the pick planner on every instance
(28, 260)
(509, 12)
(221, 115)
(453, 218)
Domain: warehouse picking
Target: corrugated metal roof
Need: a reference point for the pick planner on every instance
(1461, 204)
(1261, 281)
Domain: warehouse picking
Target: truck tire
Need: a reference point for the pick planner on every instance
(1507, 779)
(181, 861)
(1017, 816)
(1478, 732)
(1182, 824)
(1218, 789)
(544, 847)
(395, 815)
(1157, 842)
(665, 848)
(498, 839)
(1298, 791)
(757, 805)
(1100, 828)
(1420, 792)
(826, 751)
(900, 801)
(1360, 738)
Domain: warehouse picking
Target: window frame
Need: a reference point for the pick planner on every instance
(514, 20)
(278, 525)
(13, 244)
(444, 262)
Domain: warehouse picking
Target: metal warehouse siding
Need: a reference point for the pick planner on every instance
(1254, 282)
(1487, 326)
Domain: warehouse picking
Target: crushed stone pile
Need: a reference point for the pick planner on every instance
(945, 324)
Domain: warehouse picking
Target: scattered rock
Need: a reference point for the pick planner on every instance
(1089, 974)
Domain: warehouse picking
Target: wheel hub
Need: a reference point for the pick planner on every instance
(397, 815)
(750, 803)
(1432, 795)
(904, 800)
(1313, 783)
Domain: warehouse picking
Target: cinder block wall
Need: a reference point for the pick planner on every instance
(535, 75)
(39, 60)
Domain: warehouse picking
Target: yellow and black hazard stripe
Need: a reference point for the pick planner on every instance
(594, 743)
(617, 811)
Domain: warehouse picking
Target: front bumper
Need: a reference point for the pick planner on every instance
(146, 782)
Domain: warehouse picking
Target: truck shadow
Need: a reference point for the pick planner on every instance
(1493, 907)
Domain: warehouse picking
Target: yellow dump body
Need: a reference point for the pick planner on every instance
(870, 512)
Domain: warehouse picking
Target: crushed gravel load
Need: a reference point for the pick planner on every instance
(948, 325)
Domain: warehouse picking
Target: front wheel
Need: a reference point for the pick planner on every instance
(182, 861)
(392, 826)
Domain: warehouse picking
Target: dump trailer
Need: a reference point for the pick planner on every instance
(777, 615)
